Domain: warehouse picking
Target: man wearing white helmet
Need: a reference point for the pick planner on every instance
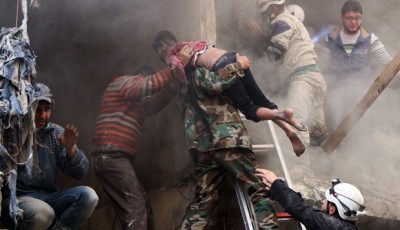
(343, 205)
(291, 48)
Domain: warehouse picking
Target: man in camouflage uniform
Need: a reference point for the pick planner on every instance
(225, 150)
(217, 141)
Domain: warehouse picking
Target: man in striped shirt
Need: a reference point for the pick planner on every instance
(126, 102)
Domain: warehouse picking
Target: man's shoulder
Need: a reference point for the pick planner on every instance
(365, 34)
(281, 24)
(334, 34)
(123, 78)
(286, 17)
(122, 81)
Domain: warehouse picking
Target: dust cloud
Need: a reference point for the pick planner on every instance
(82, 45)
(368, 155)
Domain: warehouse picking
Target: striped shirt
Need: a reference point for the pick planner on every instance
(125, 103)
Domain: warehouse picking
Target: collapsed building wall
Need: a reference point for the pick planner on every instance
(81, 45)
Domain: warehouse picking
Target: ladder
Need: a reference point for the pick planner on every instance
(245, 204)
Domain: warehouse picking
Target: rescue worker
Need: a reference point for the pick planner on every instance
(292, 50)
(126, 102)
(342, 206)
(43, 205)
(223, 149)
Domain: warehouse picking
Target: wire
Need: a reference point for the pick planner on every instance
(17, 16)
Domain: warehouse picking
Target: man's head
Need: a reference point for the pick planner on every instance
(271, 8)
(351, 16)
(344, 200)
(163, 42)
(46, 103)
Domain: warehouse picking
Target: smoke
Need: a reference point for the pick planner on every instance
(374, 137)
(368, 155)
(82, 45)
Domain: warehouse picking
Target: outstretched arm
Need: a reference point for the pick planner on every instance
(293, 203)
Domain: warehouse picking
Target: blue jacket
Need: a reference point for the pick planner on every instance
(52, 158)
(341, 62)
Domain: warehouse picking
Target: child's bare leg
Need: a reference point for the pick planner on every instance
(288, 116)
(297, 143)
(285, 115)
(269, 114)
(285, 119)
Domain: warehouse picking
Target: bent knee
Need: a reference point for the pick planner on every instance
(89, 197)
(40, 217)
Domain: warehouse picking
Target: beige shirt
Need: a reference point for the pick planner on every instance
(290, 33)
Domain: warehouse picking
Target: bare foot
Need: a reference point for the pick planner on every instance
(300, 140)
(298, 146)
(289, 117)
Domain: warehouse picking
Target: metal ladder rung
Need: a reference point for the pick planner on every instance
(263, 146)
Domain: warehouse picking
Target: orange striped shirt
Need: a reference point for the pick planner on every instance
(122, 111)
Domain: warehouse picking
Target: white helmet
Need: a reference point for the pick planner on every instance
(296, 11)
(347, 198)
(264, 4)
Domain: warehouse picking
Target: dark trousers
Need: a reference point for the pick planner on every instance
(117, 176)
(245, 93)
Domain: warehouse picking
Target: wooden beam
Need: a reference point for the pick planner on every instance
(354, 116)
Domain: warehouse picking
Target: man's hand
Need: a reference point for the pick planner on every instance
(247, 26)
(273, 53)
(250, 28)
(243, 60)
(267, 177)
(69, 140)
(186, 54)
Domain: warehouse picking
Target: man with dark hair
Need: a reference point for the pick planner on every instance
(43, 205)
(219, 144)
(351, 46)
(126, 102)
(352, 55)
(342, 206)
(244, 93)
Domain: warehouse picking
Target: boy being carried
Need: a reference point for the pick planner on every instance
(244, 94)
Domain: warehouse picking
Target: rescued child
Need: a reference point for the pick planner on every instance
(244, 94)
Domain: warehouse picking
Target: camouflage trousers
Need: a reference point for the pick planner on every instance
(211, 169)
